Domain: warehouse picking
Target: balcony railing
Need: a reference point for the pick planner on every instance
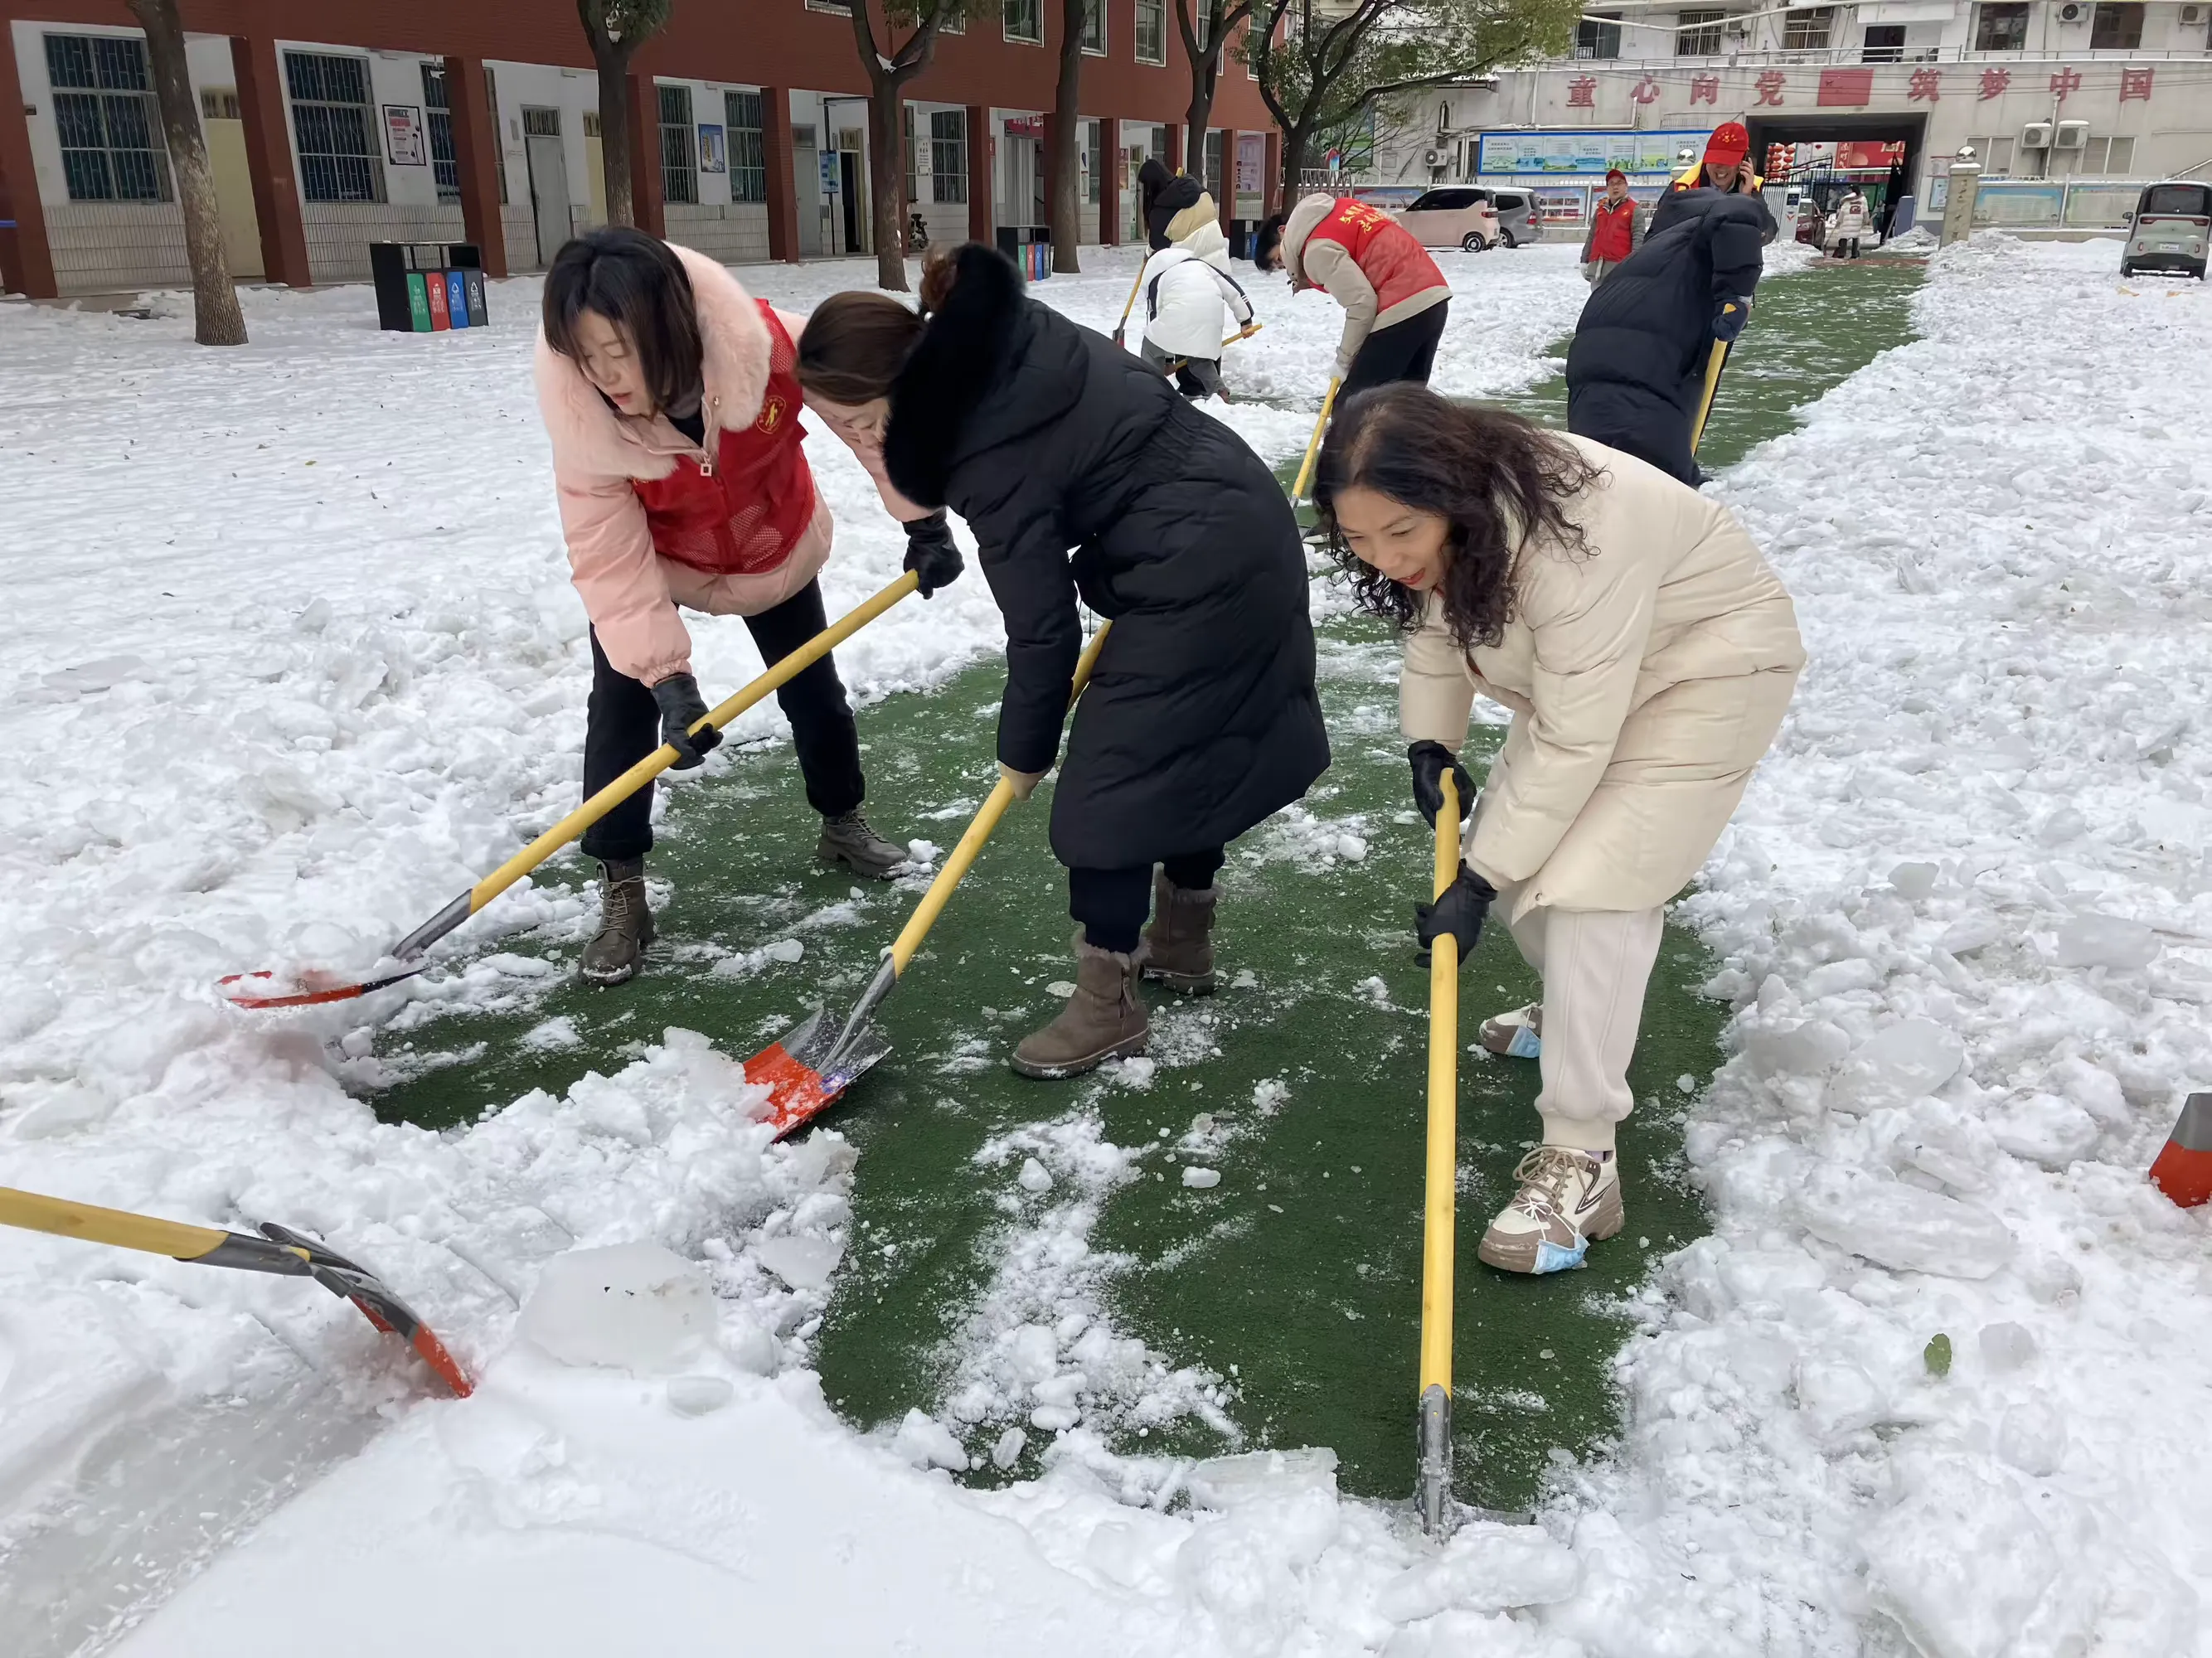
(1748, 59)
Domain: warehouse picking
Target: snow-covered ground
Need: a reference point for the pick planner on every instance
(294, 658)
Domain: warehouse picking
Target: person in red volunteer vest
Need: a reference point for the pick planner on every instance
(1395, 299)
(1612, 229)
(670, 396)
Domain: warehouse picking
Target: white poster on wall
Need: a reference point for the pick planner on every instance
(403, 134)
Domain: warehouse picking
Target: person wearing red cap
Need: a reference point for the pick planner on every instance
(1727, 167)
(1613, 232)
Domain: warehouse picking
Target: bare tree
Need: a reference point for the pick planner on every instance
(1334, 65)
(1063, 162)
(217, 320)
(616, 29)
(1202, 45)
(888, 74)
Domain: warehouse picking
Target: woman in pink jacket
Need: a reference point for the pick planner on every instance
(669, 395)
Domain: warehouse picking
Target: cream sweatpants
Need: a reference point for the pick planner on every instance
(1595, 965)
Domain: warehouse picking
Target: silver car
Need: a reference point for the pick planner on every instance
(2169, 228)
(1454, 216)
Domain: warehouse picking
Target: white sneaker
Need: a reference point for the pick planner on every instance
(1568, 1199)
(1516, 1035)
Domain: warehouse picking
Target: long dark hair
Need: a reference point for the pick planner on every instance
(1496, 479)
(634, 281)
(855, 343)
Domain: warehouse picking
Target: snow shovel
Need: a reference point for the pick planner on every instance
(1439, 1221)
(1313, 446)
(1713, 384)
(279, 1250)
(810, 1064)
(268, 989)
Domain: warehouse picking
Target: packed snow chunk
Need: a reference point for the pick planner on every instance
(1900, 1226)
(1836, 977)
(1035, 1176)
(2032, 1435)
(1897, 1063)
(753, 1350)
(2006, 1346)
(1247, 1567)
(1230, 1483)
(1485, 1568)
(2043, 1129)
(697, 1396)
(804, 1263)
(784, 949)
(553, 1036)
(1007, 1450)
(1913, 881)
(1800, 1050)
(1839, 1397)
(2110, 941)
(1201, 1179)
(633, 1307)
(927, 1442)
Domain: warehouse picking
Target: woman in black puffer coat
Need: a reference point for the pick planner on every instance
(1082, 472)
(1636, 368)
(1162, 194)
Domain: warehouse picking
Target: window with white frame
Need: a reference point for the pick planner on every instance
(330, 124)
(106, 118)
(1024, 22)
(1697, 33)
(1094, 28)
(2107, 158)
(1995, 154)
(679, 147)
(948, 156)
(1808, 28)
(748, 147)
(1152, 31)
(438, 116)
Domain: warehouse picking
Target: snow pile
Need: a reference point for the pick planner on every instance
(1965, 913)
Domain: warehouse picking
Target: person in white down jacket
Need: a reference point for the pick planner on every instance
(1188, 298)
(1647, 652)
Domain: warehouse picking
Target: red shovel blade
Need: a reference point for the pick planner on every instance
(309, 989)
(796, 1091)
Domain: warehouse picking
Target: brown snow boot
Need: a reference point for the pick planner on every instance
(846, 839)
(617, 950)
(1103, 1019)
(1179, 943)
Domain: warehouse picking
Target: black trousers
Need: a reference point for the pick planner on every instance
(1112, 903)
(622, 726)
(1404, 351)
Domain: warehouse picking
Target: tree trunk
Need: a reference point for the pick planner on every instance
(887, 174)
(1294, 164)
(613, 61)
(1065, 161)
(217, 320)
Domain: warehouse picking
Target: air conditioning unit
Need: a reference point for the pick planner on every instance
(2036, 135)
(2072, 12)
(2071, 135)
(2192, 16)
(1433, 158)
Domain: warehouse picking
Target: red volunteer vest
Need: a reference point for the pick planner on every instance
(1610, 231)
(743, 515)
(1395, 264)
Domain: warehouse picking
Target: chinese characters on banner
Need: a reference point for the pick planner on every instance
(1927, 86)
(1994, 82)
(2134, 83)
(1582, 92)
(1704, 88)
(1769, 86)
(2067, 79)
(1848, 87)
(1645, 91)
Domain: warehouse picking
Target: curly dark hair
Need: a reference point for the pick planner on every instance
(1493, 477)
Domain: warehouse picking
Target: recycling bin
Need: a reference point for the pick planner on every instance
(423, 287)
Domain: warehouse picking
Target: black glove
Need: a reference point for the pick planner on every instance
(681, 707)
(1459, 912)
(932, 553)
(1429, 760)
(1729, 318)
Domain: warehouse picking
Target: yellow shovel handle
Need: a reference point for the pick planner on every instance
(1129, 304)
(37, 1213)
(1712, 386)
(1243, 333)
(1438, 1220)
(663, 757)
(978, 830)
(1313, 444)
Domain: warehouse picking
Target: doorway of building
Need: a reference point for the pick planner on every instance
(807, 179)
(853, 190)
(234, 180)
(1880, 153)
(549, 180)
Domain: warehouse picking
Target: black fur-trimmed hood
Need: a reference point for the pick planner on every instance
(991, 366)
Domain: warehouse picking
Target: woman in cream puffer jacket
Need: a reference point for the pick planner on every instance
(1647, 652)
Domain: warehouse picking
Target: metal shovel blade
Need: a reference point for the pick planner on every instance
(357, 1284)
(310, 988)
(810, 1065)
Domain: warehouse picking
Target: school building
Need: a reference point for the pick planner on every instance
(333, 126)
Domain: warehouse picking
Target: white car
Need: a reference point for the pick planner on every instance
(1456, 215)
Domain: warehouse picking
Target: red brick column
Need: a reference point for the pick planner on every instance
(1228, 202)
(645, 156)
(1178, 151)
(783, 183)
(26, 262)
(476, 144)
(1109, 181)
(269, 154)
(1270, 186)
(982, 216)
